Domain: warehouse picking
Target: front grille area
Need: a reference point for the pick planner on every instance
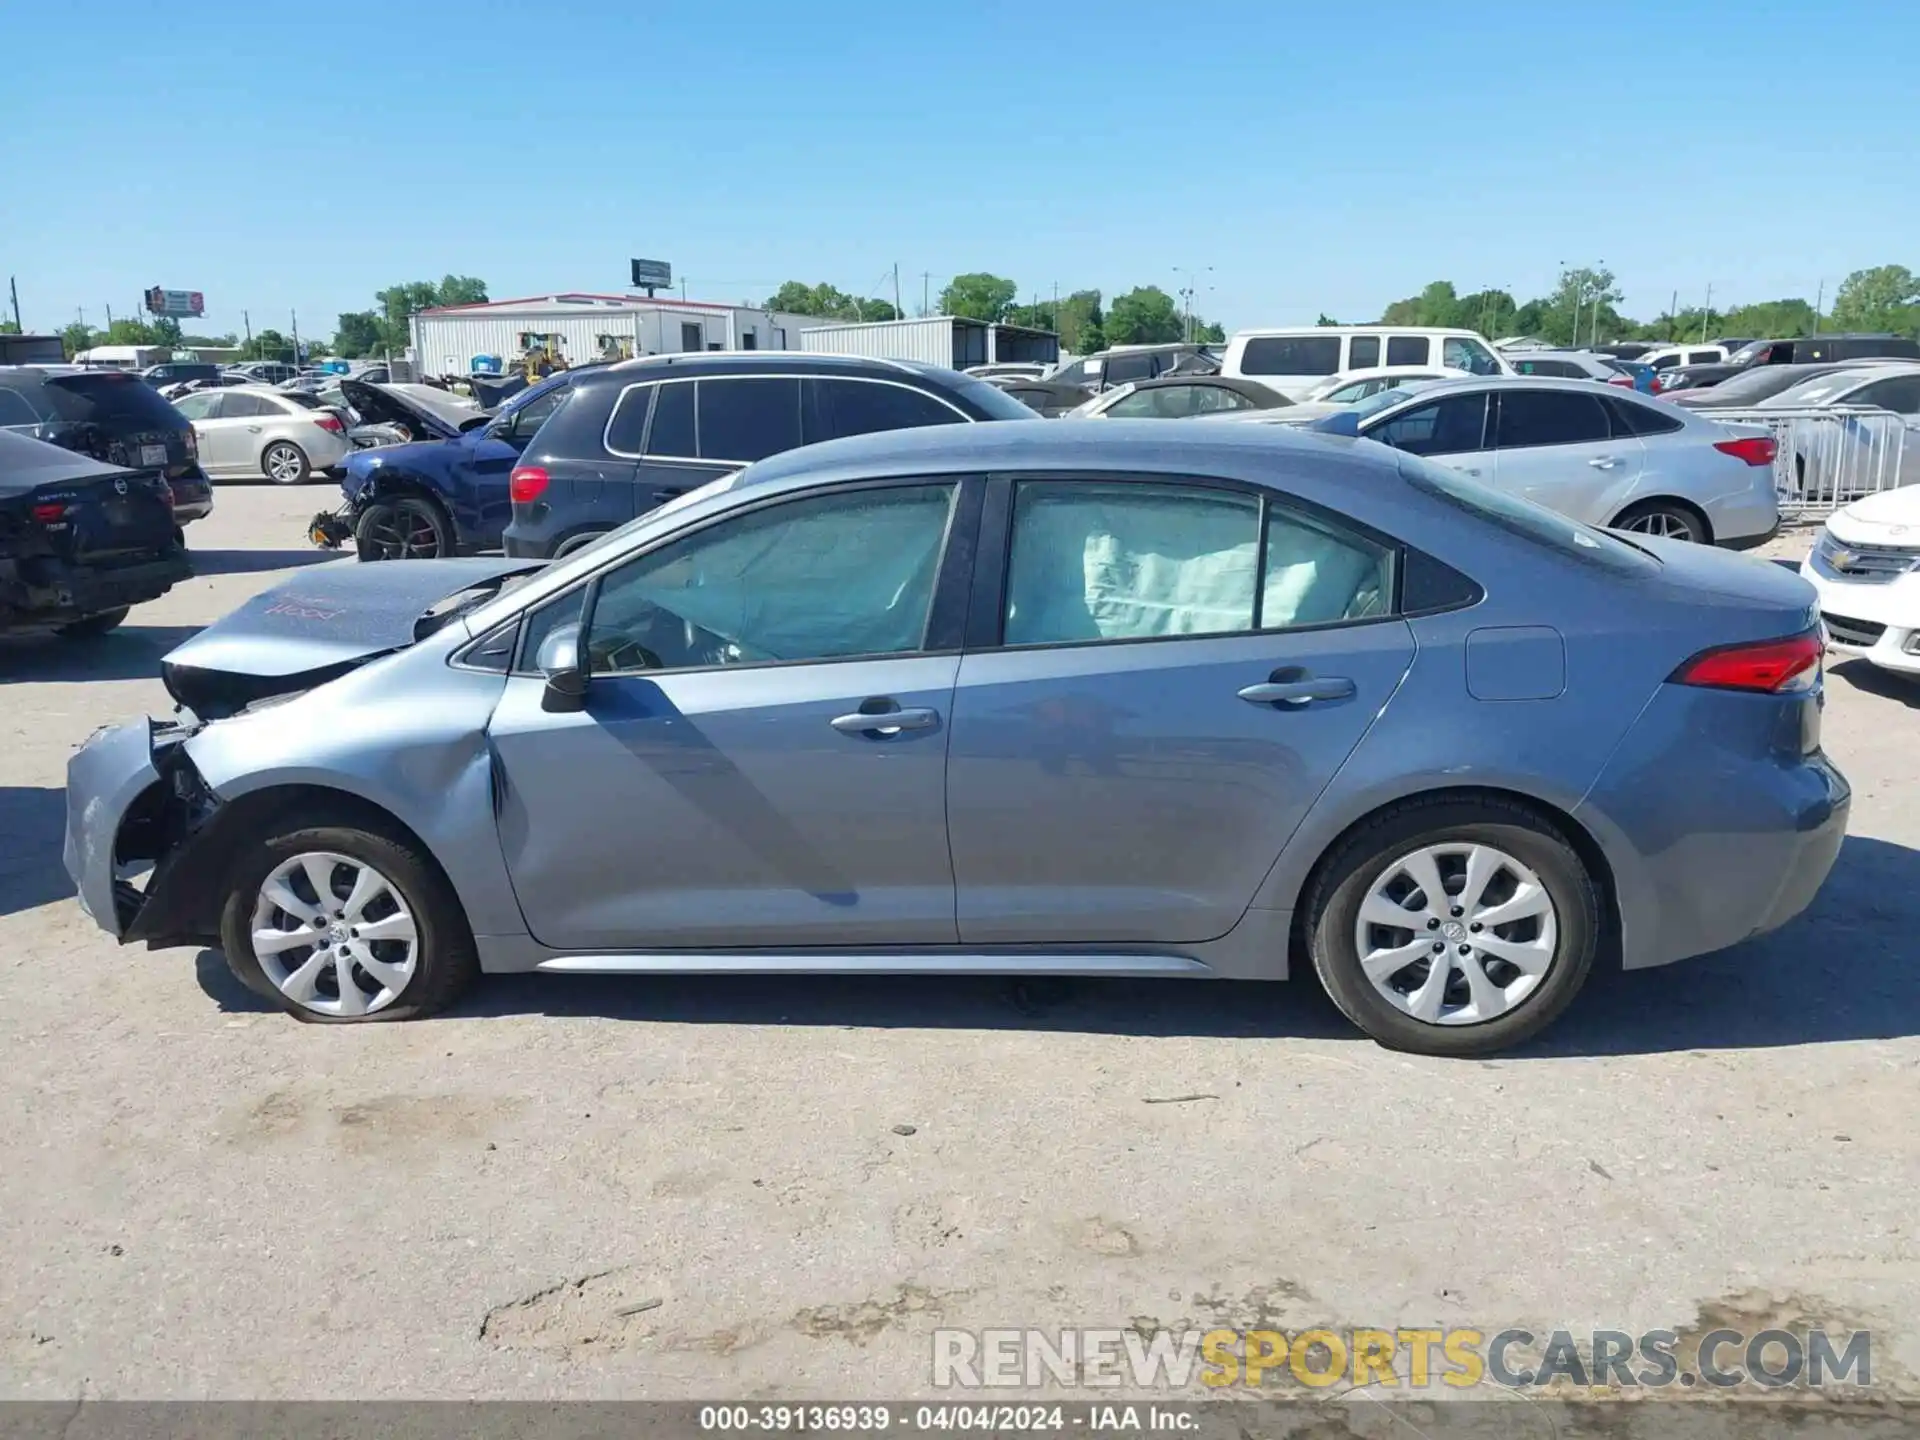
(1863, 633)
(1874, 564)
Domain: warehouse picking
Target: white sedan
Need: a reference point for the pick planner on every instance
(1866, 567)
(1352, 386)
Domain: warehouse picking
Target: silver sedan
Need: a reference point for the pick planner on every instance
(251, 430)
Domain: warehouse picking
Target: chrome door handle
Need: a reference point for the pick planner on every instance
(1603, 462)
(1468, 470)
(1298, 692)
(884, 722)
(253, 429)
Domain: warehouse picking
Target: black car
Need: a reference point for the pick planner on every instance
(1815, 349)
(1051, 398)
(113, 416)
(639, 433)
(81, 540)
(1695, 377)
(1102, 371)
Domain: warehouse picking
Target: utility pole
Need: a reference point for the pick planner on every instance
(13, 287)
(926, 290)
(1706, 316)
(247, 320)
(294, 316)
(683, 289)
(109, 320)
(1673, 314)
(1819, 295)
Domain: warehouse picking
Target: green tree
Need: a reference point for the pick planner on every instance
(460, 290)
(1491, 312)
(130, 332)
(268, 345)
(978, 296)
(1575, 297)
(1145, 315)
(76, 337)
(1886, 297)
(1037, 316)
(1326, 319)
(166, 331)
(1082, 323)
(194, 342)
(7, 327)
(358, 333)
(1769, 319)
(316, 349)
(1209, 332)
(796, 297)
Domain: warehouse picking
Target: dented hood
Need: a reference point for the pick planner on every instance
(321, 623)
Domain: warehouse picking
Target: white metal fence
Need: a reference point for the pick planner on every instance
(1832, 455)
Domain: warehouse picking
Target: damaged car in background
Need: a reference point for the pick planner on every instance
(447, 495)
(81, 541)
(385, 418)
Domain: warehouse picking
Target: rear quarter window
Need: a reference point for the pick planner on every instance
(1631, 418)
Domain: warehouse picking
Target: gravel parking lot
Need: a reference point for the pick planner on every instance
(200, 1197)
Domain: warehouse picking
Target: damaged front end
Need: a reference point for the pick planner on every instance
(330, 529)
(141, 835)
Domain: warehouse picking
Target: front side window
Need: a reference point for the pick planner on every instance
(1530, 418)
(1901, 395)
(1453, 426)
(1093, 561)
(1291, 355)
(198, 405)
(1123, 368)
(820, 578)
(837, 408)
(747, 418)
(234, 406)
(1407, 350)
(1459, 353)
(14, 409)
(517, 428)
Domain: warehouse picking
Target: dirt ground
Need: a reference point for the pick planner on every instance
(200, 1197)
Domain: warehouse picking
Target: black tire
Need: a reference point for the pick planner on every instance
(1680, 522)
(1332, 909)
(89, 626)
(447, 963)
(298, 476)
(403, 527)
(576, 542)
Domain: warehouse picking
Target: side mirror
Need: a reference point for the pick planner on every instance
(560, 660)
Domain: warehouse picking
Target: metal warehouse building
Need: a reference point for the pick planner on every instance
(585, 327)
(935, 340)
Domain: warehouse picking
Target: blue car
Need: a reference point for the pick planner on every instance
(439, 497)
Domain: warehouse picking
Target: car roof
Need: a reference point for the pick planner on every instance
(1886, 371)
(1245, 452)
(721, 361)
(1264, 330)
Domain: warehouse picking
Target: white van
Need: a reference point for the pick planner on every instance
(1672, 356)
(122, 357)
(1294, 359)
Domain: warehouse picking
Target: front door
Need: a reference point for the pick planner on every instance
(762, 757)
(1452, 431)
(1557, 448)
(1129, 762)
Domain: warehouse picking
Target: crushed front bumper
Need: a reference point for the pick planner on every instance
(133, 796)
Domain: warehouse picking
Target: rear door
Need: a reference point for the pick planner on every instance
(1561, 449)
(1144, 714)
(230, 433)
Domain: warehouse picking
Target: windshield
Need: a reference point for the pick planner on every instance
(1100, 404)
(1544, 527)
(1815, 392)
(1387, 399)
(110, 397)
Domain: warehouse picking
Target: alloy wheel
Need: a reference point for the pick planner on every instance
(1456, 933)
(334, 935)
(283, 464)
(1661, 523)
(406, 535)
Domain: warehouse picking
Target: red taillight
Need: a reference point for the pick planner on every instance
(329, 422)
(527, 484)
(1772, 667)
(49, 514)
(1626, 380)
(1754, 449)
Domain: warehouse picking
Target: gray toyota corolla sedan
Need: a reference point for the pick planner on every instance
(1156, 700)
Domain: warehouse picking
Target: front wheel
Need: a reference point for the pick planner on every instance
(1664, 519)
(1453, 927)
(89, 626)
(285, 463)
(341, 924)
(405, 527)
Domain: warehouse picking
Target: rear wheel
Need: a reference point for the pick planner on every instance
(285, 463)
(341, 923)
(1453, 926)
(89, 626)
(404, 527)
(1666, 519)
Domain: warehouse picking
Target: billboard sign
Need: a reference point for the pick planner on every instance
(651, 274)
(181, 304)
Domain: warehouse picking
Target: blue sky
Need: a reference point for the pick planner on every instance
(1317, 156)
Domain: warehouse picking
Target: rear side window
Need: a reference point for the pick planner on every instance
(14, 410)
(1122, 368)
(1530, 418)
(1701, 357)
(1563, 369)
(1900, 395)
(1407, 350)
(838, 408)
(1363, 352)
(111, 399)
(240, 407)
(1291, 355)
(301, 398)
(671, 433)
(1453, 426)
(627, 426)
(1632, 418)
(748, 418)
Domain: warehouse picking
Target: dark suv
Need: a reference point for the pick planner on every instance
(112, 415)
(639, 433)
